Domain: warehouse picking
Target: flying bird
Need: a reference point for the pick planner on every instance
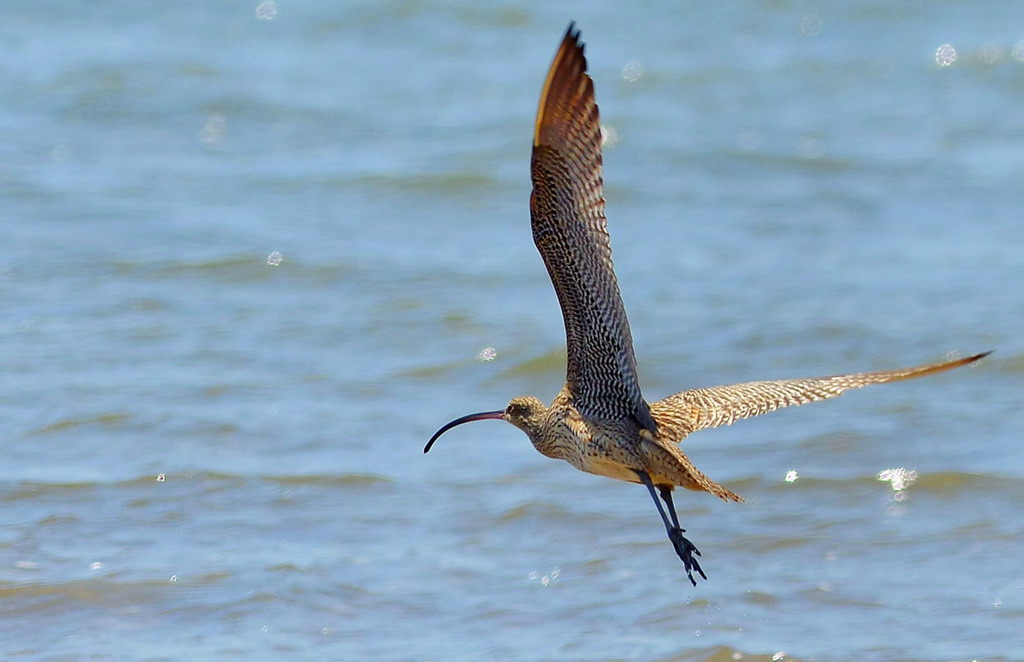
(599, 422)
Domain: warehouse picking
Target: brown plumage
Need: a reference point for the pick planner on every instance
(600, 422)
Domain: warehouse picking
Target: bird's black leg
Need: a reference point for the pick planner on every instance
(666, 496)
(684, 548)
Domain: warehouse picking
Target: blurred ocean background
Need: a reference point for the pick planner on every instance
(255, 253)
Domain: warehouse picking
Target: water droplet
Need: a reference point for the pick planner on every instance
(945, 55)
(810, 24)
(266, 10)
(487, 354)
(609, 136)
(779, 656)
(174, 578)
(990, 53)
(160, 478)
(545, 580)
(810, 147)
(213, 132)
(59, 153)
(274, 259)
(791, 476)
(1018, 51)
(633, 71)
(898, 478)
(95, 565)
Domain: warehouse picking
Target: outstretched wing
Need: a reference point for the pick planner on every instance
(569, 228)
(680, 414)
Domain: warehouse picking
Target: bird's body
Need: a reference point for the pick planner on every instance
(600, 422)
(614, 448)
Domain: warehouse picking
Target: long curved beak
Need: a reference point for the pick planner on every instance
(500, 414)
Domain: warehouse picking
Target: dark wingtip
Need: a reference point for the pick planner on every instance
(573, 33)
(970, 360)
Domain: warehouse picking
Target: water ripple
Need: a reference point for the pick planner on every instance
(211, 481)
(940, 483)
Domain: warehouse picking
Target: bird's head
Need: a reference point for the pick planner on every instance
(525, 412)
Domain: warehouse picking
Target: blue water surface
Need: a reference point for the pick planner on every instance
(256, 253)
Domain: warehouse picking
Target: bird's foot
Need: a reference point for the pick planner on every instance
(688, 552)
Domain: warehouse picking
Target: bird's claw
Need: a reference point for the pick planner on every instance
(688, 552)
